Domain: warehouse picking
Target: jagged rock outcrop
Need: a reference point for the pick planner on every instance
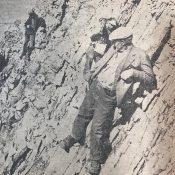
(40, 99)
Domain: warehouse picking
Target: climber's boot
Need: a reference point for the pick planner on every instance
(67, 143)
(94, 167)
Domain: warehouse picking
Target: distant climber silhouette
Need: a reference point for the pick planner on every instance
(31, 26)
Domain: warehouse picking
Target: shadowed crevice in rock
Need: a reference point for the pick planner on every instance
(164, 41)
(63, 7)
(3, 64)
(40, 112)
(17, 160)
(135, 4)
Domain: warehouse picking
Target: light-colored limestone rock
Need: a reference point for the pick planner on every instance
(40, 99)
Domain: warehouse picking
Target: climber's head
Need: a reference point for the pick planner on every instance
(111, 24)
(31, 12)
(121, 37)
(108, 24)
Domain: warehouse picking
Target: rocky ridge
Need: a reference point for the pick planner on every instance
(40, 99)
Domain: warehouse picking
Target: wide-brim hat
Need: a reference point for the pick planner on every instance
(121, 33)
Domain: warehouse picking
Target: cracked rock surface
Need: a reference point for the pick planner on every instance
(39, 99)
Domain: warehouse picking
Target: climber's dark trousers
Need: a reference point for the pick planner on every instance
(98, 107)
(29, 44)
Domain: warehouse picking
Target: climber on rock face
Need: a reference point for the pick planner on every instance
(111, 88)
(99, 43)
(31, 26)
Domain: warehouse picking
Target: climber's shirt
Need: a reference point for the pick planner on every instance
(107, 75)
(100, 48)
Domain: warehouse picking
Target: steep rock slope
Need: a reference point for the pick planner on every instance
(40, 99)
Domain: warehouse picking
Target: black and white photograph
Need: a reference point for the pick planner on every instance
(87, 87)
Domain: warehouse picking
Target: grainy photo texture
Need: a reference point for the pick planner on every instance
(87, 87)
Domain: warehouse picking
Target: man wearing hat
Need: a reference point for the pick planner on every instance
(110, 89)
